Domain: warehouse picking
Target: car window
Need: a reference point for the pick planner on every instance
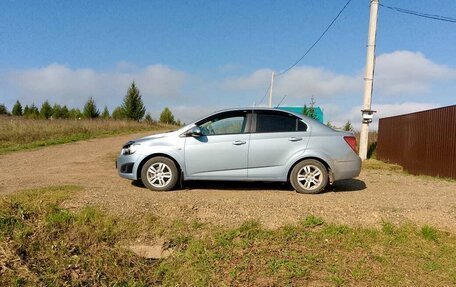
(275, 122)
(234, 124)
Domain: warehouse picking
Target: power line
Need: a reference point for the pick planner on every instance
(262, 99)
(421, 14)
(318, 40)
(281, 101)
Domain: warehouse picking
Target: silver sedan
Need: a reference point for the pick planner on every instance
(252, 144)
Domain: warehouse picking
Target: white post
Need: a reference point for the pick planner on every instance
(368, 79)
(270, 90)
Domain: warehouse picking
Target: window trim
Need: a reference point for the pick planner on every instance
(279, 113)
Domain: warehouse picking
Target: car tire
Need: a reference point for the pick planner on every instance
(159, 174)
(309, 176)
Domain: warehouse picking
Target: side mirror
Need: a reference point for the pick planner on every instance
(195, 132)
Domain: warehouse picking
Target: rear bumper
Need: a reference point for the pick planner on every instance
(346, 169)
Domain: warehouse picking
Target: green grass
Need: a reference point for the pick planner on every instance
(429, 233)
(18, 133)
(43, 244)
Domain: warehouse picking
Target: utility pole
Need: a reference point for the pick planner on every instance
(270, 90)
(367, 113)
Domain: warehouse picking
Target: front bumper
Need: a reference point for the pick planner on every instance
(127, 166)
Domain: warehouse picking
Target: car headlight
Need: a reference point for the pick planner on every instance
(130, 148)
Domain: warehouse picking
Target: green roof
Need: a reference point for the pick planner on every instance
(299, 110)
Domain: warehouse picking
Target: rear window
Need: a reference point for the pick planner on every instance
(278, 122)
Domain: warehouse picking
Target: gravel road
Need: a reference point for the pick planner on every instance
(375, 196)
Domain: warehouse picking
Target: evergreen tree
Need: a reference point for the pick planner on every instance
(75, 114)
(166, 117)
(56, 112)
(90, 109)
(305, 110)
(310, 111)
(118, 114)
(26, 112)
(64, 113)
(329, 124)
(105, 115)
(3, 110)
(17, 109)
(34, 112)
(132, 106)
(148, 118)
(348, 127)
(46, 110)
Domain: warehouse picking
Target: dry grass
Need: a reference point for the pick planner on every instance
(380, 165)
(18, 133)
(374, 164)
(43, 244)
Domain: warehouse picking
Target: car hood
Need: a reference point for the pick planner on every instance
(158, 136)
(151, 137)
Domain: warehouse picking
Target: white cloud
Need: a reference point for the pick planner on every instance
(320, 82)
(397, 73)
(406, 72)
(255, 81)
(61, 84)
(299, 82)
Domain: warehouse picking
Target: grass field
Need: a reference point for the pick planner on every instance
(20, 133)
(43, 244)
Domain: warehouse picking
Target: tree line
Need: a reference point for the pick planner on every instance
(132, 108)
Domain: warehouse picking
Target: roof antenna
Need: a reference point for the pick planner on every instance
(281, 101)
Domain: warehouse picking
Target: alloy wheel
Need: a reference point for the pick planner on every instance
(310, 177)
(159, 174)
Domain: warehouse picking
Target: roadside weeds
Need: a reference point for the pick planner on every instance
(45, 244)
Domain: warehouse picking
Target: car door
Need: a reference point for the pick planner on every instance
(221, 151)
(276, 137)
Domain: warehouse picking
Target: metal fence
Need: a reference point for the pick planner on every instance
(422, 142)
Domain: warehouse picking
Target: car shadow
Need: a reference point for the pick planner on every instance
(226, 185)
(340, 186)
(237, 185)
(346, 185)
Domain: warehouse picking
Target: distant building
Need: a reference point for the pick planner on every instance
(299, 110)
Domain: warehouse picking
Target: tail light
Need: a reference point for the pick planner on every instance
(351, 141)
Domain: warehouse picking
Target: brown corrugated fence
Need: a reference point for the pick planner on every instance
(422, 142)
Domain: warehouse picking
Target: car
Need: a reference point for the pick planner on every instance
(244, 144)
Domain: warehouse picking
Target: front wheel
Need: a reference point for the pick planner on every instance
(159, 174)
(309, 176)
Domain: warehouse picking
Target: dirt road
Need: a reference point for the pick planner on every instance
(375, 196)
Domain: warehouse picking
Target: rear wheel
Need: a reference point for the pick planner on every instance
(309, 176)
(159, 174)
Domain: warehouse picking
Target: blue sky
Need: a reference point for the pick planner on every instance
(198, 56)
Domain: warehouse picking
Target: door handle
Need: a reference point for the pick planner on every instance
(239, 142)
(295, 139)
